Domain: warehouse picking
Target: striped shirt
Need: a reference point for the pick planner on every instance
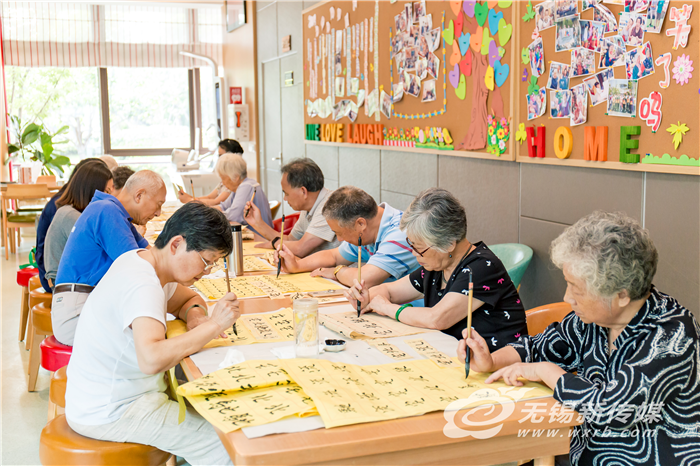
(390, 252)
(640, 404)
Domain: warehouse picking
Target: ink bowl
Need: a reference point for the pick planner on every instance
(334, 346)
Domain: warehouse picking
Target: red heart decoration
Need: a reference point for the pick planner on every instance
(465, 65)
(459, 22)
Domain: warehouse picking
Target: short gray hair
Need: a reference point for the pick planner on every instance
(610, 252)
(436, 218)
(304, 173)
(146, 179)
(345, 205)
(110, 161)
(232, 165)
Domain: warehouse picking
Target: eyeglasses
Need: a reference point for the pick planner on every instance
(420, 253)
(207, 265)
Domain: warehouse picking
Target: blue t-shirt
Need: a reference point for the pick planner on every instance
(102, 234)
(42, 228)
(390, 253)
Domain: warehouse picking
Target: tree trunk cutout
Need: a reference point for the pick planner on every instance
(497, 103)
(476, 136)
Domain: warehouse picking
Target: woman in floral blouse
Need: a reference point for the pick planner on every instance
(627, 357)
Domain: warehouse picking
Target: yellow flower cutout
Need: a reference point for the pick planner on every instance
(500, 134)
(678, 132)
(491, 131)
(520, 134)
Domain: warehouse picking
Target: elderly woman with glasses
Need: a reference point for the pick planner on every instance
(627, 358)
(436, 228)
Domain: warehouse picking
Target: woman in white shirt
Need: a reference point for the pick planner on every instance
(221, 192)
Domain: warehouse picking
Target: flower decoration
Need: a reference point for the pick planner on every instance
(678, 132)
(683, 69)
(499, 133)
(533, 88)
(521, 134)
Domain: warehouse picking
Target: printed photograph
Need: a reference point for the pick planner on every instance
(428, 91)
(597, 86)
(636, 6)
(413, 85)
(408, 10)
(411, 57)
(582, 62)
(536, 51)
(568, 35)
(422, 68)
(579, 105)
(558, 76)
(418, 10)
(397, 90)
(639, 62)
(354, 86)
(611, 55)
(385, 106)
(656, 15)
(339, 86)
(586, 4)
(433, 38)
(544, 15)
(433, 65)
(560, 106)
(632, 28)
(426, 24)
(565, 8)
(423, 49)
(536, 104)
(603, 14)
(592, 34)
(622, 97)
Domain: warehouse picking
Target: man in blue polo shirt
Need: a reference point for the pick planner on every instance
(353, 214)
(104, 231)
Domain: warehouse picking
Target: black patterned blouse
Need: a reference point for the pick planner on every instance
(501, 319)
(641, 404)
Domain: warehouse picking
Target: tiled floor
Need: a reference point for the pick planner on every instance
(23, 413)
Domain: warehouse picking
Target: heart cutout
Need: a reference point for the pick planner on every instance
(492, 3)
(461, 90)
(469, 8)
(493, 53)
(459, 22)
(449, 33)
(454, 77)
(501, 73)
(456, 56)
(505, 31)
(466, 65)
(464, 43)
(525, 56)
(475, 40)
(481, 11)
(505, 3)
(456, 5)
(494, 19)
(488, 78)
(485, 42)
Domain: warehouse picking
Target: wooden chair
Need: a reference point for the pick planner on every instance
(36, 295)
(48, 180)
(59, 444)
(539, 318)
(41, 328)
(15, 221)
(274, 207)
(24, 277)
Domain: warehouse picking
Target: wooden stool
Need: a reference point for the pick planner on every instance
(23, 278)
(36, 296)
(59, 444)
(41, 328)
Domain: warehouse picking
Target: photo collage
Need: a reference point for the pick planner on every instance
(597, 41)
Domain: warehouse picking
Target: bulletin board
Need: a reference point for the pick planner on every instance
(672, 96)
(463, 103)
(676, 104)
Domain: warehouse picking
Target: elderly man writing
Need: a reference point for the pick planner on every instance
(102, 233)
(353, 214)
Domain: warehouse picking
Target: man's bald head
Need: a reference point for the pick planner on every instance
(143, 195)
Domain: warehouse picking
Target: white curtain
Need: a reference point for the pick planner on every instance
(71, 35)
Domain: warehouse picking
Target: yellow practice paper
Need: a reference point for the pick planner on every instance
(346, 394)
(256, 264)
(425, 349)
(249, 249)
(265, 285)
(231, 411)
(252, 328)
(388, 349)
(247, 375)
(370, 325)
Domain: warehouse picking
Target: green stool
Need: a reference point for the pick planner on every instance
(515, 257)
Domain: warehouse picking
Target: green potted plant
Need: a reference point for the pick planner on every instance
(35, 143)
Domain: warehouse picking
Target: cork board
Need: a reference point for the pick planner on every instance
(680, 103)
(469, 132)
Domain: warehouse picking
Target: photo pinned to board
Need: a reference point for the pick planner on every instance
(544, 15)
(597, 86)
(433, 65)
(565, 9)
(428, 91)
(397, 92)
(422, 68)
(622, 97)
(536, 53)
(582, 62)
(603, 14)
(433, 39)
(373, 102)
(612, 55)
(411, 57)
(579, 105)
(586, 4)
(413, 85)
(592, 34)
(385, 104)
(636, 6)
(559, 74)
(426, 24)
(639, 63)
(655, 15)
(536, 104)
(419, 10)
(568, 35)
(339, 86)
(614, 2)
(560, 106)
(423, 49)
(354, 86)
(408, 11)
(632, 28)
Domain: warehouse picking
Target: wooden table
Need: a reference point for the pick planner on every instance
(414, 440)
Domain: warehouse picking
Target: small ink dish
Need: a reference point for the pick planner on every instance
(334, 346)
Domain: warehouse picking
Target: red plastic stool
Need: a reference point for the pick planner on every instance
(23, 277)
(54, 354)
(289, 222)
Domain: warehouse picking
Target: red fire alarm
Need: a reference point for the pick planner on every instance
(236, 94)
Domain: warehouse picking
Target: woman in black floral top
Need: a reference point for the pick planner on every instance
(627, 358)
(436, 227)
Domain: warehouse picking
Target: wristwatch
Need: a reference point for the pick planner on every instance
(273, 241)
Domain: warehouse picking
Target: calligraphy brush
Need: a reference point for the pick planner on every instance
(251, 201)
(469, 324)
(279, 262)
(228, 286)
(359, 271)
(192, 186)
